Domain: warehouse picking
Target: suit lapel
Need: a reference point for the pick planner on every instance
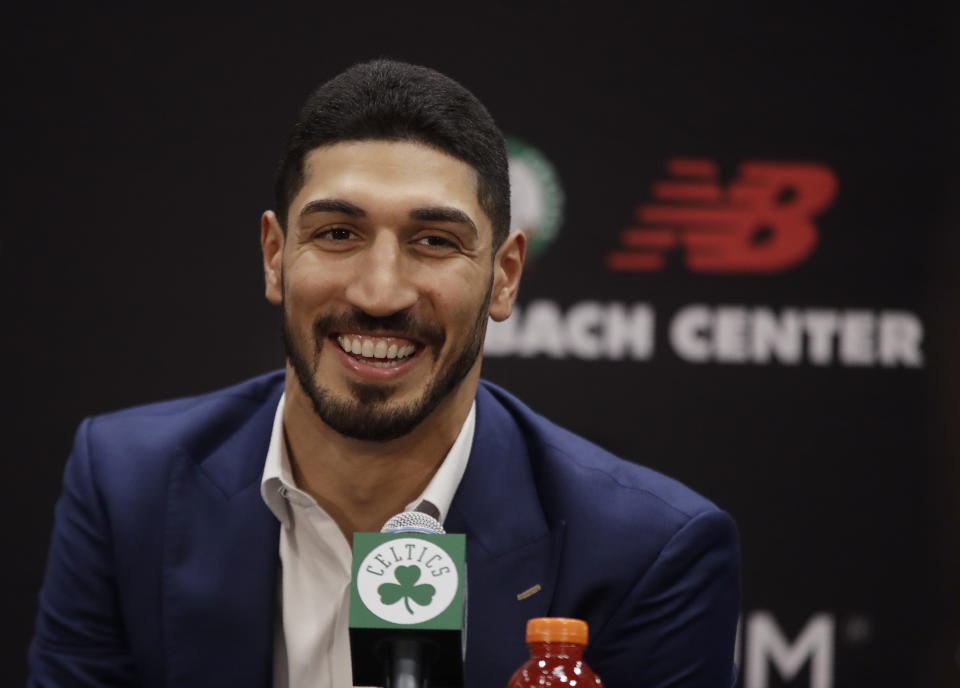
(220, 562)
(512, 551)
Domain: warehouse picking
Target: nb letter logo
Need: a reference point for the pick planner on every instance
(762, 222)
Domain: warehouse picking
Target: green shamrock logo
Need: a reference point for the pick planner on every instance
(406, 588)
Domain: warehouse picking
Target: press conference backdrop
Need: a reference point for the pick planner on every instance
(742, 268)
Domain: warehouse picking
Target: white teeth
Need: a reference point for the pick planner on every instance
(368, 348)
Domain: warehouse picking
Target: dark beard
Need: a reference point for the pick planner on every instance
(368, 416)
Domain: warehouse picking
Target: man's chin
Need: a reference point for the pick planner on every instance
(372, 393)
(370, 419)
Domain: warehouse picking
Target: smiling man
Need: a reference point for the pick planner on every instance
(386, 275)
(206, 541)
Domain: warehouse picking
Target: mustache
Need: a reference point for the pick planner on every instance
(402, 324)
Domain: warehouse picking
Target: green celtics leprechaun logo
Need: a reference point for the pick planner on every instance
(536, 196)
(406, 580)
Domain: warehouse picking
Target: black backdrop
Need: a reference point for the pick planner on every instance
(141, 150)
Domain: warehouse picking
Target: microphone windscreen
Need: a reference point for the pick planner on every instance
(412, 521)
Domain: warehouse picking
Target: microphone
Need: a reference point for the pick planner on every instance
(408, 604)
(414, 522)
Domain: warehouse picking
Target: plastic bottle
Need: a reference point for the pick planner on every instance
(556, 656)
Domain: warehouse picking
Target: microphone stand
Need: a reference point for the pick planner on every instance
(405, 664)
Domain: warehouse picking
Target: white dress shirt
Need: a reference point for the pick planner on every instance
(311, 641)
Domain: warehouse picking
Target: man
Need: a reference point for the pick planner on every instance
(205, 541)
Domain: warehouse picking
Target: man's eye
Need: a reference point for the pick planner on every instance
(436, 241)
(336, 234)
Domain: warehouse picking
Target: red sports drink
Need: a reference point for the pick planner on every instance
(556, 656)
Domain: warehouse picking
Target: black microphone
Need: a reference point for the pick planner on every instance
(408, 604)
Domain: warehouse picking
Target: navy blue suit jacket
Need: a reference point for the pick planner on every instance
(164, 559)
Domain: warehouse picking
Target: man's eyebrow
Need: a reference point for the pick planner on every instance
(332, 205)
(444, 214)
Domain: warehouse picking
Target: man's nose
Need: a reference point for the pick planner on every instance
(381, 284)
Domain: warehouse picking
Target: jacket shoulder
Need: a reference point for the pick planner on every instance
(129, 453)
(172, 413)
(580, 477)
(188, 422)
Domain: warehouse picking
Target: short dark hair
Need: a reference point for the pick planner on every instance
(395, 101)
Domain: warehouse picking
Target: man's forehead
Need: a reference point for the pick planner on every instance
(426, 173)
(381, 151)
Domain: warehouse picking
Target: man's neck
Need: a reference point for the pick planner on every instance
(361, 484)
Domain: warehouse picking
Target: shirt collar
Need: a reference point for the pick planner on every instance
(277, 481)
(446, 480)
(278, 488)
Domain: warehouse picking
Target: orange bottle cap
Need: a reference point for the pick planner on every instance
(556, 630)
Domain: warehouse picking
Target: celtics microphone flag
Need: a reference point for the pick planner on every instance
(408, 585)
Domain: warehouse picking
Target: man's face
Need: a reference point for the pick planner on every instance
(385, 281)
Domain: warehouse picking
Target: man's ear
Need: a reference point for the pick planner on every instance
(507, 267)
(271, 241)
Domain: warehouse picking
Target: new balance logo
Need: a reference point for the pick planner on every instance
(763, 222)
